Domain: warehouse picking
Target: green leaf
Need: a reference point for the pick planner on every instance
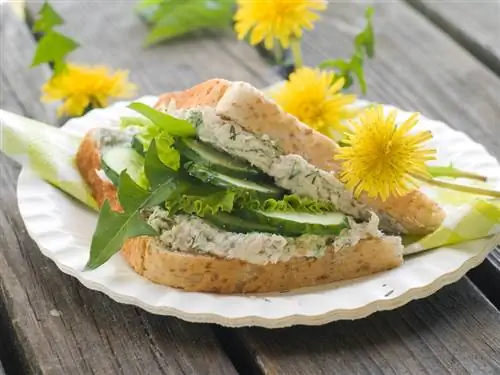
(114, 228)
(366, 39)
(148, 8)
(53, 47)
(172, 19)
(156, 172)
(167, 123)
(167, 153)
(357, 68)
(141, 122)
(130, 194)
(364, 43)
(48, 18)
(203, 205)
(289, 203)
(191, 195)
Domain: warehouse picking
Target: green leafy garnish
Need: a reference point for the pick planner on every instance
(140, 122)
(114, 228)
(289, 203)
(364, 44)
(157, 172)
(167, 153)
(53, 47)
(192, 196)
(167, 123)
(203, 205)
(48, 18)
(172, 19)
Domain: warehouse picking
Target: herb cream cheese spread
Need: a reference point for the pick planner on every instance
(187, 233)
(291, 172)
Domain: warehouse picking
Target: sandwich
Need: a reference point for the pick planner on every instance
(217, 189)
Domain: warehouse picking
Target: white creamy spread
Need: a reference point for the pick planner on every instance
(113, 137)
(291, 172)
(191, 234)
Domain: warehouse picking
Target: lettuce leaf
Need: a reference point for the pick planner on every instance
(170, 124)
(202, 205)
(167, 154)
(147, 131)
(289, 203)
(192, 196)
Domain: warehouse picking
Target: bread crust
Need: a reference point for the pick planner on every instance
(247, 106)
(207, 273)
(88, 162)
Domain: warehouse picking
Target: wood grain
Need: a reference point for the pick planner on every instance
(474, 24)
(51, 323)
(456, 331)
(487, 277)
(418, 68)
(176, 65)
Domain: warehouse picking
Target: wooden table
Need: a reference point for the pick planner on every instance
(440, 58)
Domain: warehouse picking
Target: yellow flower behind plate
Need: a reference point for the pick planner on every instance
(267, 20)
(382, 159)
(81, 86)
(312, 97)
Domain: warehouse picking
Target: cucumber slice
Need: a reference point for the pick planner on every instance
(116, 159)
(257, 189)
(297, 223)
(208, 156)
(236, 224)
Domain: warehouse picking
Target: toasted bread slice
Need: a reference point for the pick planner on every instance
(248, 107)
(205, 273)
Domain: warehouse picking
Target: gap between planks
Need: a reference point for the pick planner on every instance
(487, 56)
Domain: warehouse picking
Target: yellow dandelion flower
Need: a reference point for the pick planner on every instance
(382, 159)
(267, 20)
(82, 86)
(310, 95)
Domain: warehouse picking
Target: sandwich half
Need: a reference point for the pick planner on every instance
(250, 200)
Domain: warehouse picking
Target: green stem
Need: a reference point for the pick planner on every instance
(455, 173)
(296, 48)
(278, 53)
(457, 187)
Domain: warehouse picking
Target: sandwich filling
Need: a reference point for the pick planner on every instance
(289, 171)
(204, 185)
(188, 233)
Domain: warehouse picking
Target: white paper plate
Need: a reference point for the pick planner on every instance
(63, 229)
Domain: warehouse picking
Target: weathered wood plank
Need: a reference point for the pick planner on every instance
(456, 331)
(418, 67)
(172, 66)
(473, 24)
(21, 85)
(54, 325)
(400, 341)
(487, 277)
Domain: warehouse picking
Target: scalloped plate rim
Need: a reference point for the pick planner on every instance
(256, 320)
